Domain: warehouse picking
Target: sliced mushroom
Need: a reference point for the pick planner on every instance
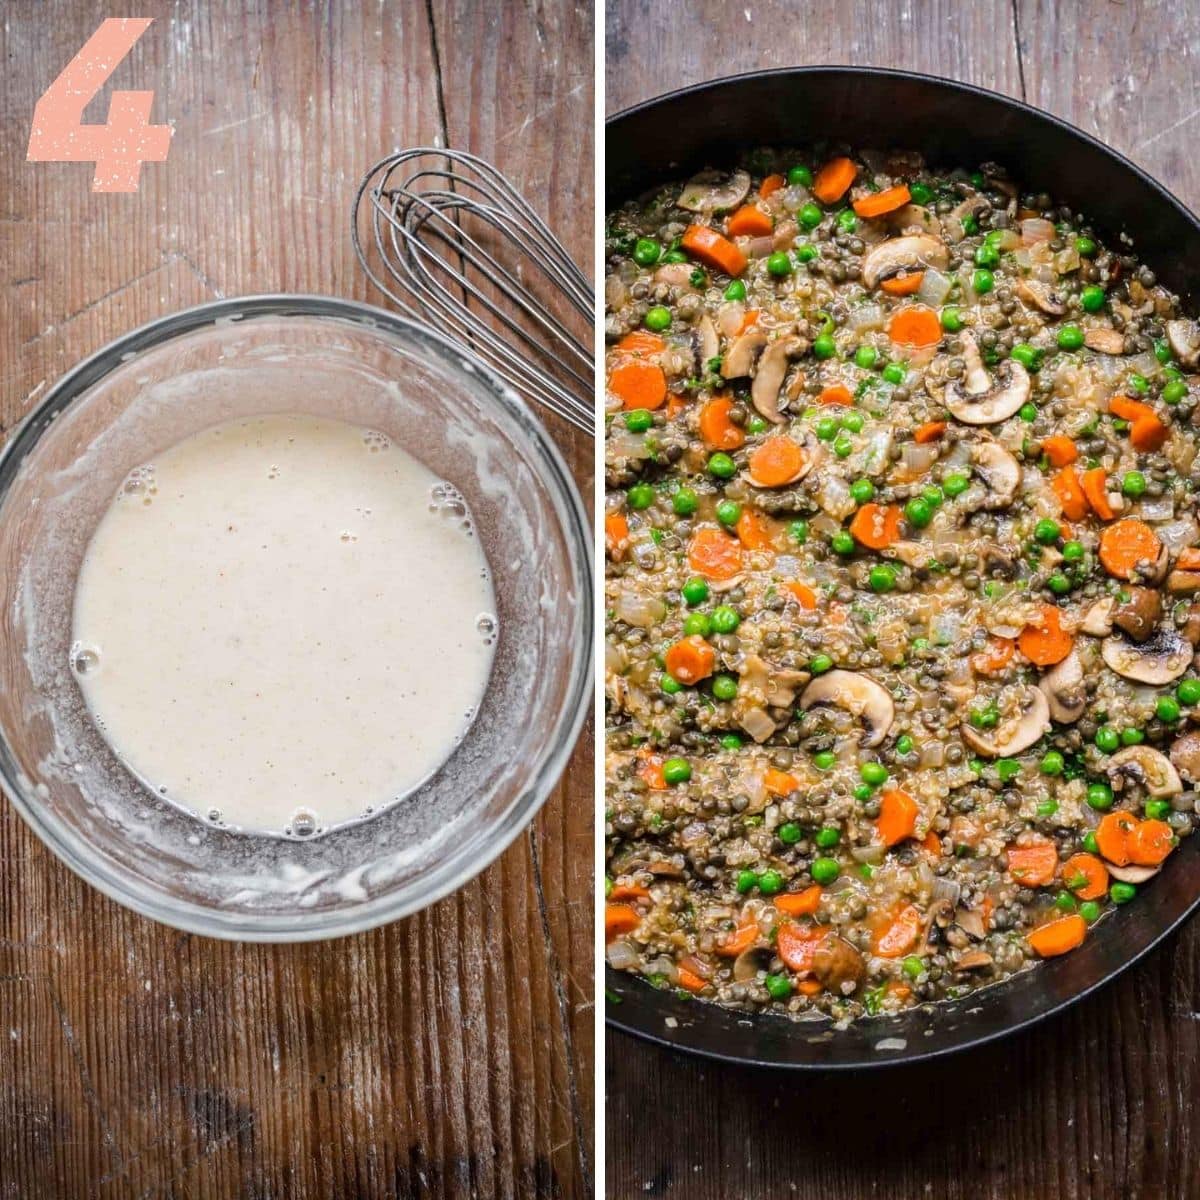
(748, 964)
(973, 960)
(768, 378)
(858, 694)
(1184, 339)
(714, 191)
(915, 218)
(836, 962)
(705, 342)
(1190, 629)
(757, 724)
(1017, 733)
(1185, 755)
(984, 400)
(676, 275)
(970, 921)
(998, 470)
(1140, 614)
(1158, 660)
(1105, 341)
(1038, 294)
(1146, 766)
(1065, 690)
(911, 252)
(1097, 621)
(1132, 873)
(742, 357)
(1183, 582)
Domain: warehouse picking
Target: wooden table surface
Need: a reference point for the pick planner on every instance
(1099, 1104)
(137, 1061)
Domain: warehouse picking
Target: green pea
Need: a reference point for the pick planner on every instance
(828, 837)
(1072, 551)
(1058, 583)
(1085, 247)
(1070, 337)
(824, 346)
(674, 256)
(1030, 357)
(1007, 769)
(982, 281)
(638, 420)
(1047, 808)
(865, 357)
(725, 619)
(790, 833)
(1158, 810)
(770, 882)
(955, 484)
(933, 495)
(695, 591)
(913, 966)
(1092, 298)
(1107, 739)
(847, 220)
(882, 578)
(1133, 483)
(756, 424)
(820, 663)
(827, 428)
(670, 685)
(824, 760)
(952, 320)
(970, 225)
(806, 253)
(640, 496)
(825, 870)
(731, 741)
(1122, 893)
(1139, 383)
(1132, 737)
(873, 773)
(722, 466)
(1046, 531)
(842, 542)
(1167, 709)
(697, 625)
(646, 252)
(1089, 910)
(677, 770)
(810, 216)
(735, 291)
(798, 532)
(921, 193)
(853, 421)
(918, 512)
(1065, 902)
(729, 512)
(843, 447)
(904, 744)
(1089, 843)
(895, 373)
(1188, 691)
(779, 264)
(800, 176)
(685, 502)
(863, 792)
(1174, 391)
(861, 491)
(746, 880)
(658, 318)
(779, 987)
(1028, 412)
(987, 255)
(1099, 796)
(724, 687)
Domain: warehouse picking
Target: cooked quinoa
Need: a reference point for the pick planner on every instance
(903, 556)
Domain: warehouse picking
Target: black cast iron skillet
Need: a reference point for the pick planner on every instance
(951, 124)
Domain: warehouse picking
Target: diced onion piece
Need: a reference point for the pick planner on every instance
(1036, 229)
(934, 289)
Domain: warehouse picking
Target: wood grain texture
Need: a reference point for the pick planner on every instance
(449, 1055)
(1098, 1104)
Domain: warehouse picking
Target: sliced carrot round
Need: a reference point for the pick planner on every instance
(1060, 450)
(639, 384)
(641, 341)
(1034, 864)
(897, 819)
(995, 658)
(710, 248)
(877, 204)
(620, 919)
(690, 660)
(915, 326)
(1045, 642)
(931, 431)
(749, 221)
(1096, 491)
(1127, 545)
(906, 283)
(1085, 876)
(802, 594)
(900, 933)
(833, 180)
(837, 394)
(742, 938)
(800, 904)
(1057, 937)
(771, 185)
(616, 534)
(717, 430)
(797, 944)
(714, 554)
(755, 530)
(779, 783)
(1112, 836)
(1068, 487)
(777, 462)
(876, 526)
(1150, 843)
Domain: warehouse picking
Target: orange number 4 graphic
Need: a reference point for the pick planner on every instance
(119, 147)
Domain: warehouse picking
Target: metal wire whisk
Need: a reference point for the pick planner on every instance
(449, 240)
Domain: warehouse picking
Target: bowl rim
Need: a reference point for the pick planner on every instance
(556, 482)
(641, 1030)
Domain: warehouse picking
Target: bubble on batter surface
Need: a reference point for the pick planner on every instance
(139, 483)
(487, 625)
(376, 442)
(304, 823)
(85, 660)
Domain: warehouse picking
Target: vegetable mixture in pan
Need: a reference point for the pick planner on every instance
(903, 558)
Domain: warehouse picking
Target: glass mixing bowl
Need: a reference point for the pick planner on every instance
(330, 358)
